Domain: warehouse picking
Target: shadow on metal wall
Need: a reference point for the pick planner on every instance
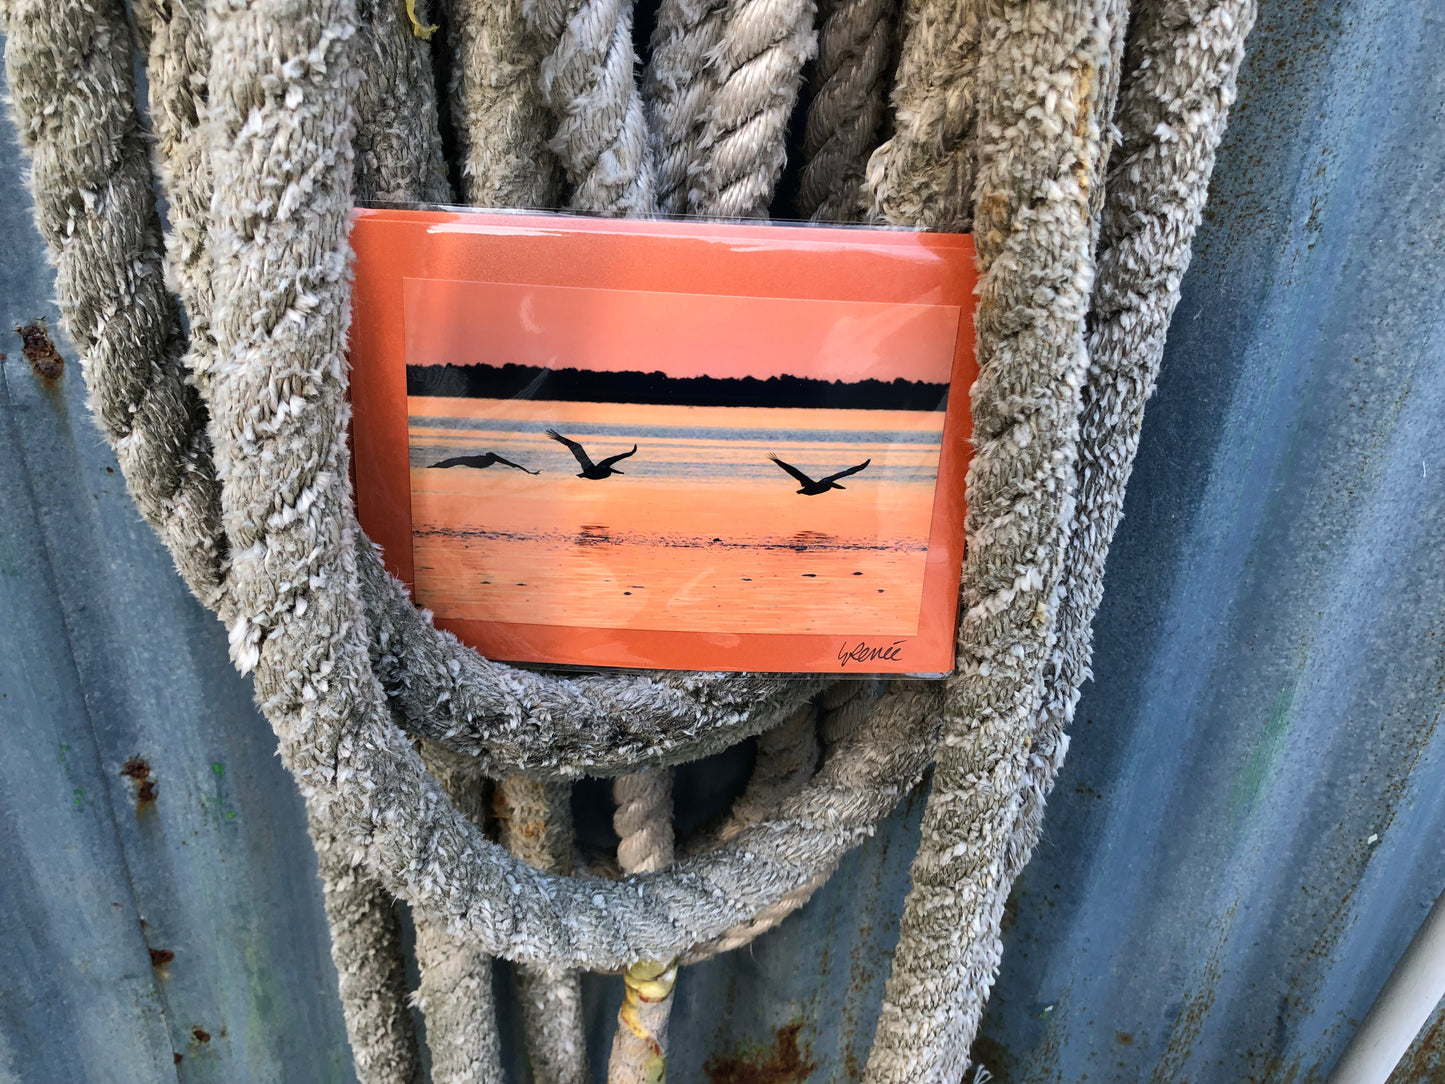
(1245, 836)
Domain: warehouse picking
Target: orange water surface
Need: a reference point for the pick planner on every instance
(700, 533)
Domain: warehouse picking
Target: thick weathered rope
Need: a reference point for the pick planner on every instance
(1038, 150)
(923, 176)
(587, 82)
(563, 727)
(844, 706)
(500, 97)
(371, 974)
(95, 83)
(536, 822)
(398, 147)
(399, 158)
(455, 994)
(1173, 113)
(759, 57)
(845, 115)
(352, 726)
(502, 122)
(179, 55)
(980, 963)
(678, 83)
(1171, 116)
(73, 103)
(643, 822)
(985, 950)
(124, 318)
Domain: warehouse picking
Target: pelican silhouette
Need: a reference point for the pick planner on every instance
(481, 462)
(590, 469)
(822, 485)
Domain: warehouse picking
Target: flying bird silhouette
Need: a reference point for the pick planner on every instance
(822, 485)
(481, 462)
(590, 469)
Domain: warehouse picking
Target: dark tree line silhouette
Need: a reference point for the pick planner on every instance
(588, 386)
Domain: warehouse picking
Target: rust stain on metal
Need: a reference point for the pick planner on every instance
(200, 1034)
(45, 360)
(1425, 1060)
(1290, 1074)
(161, 956)
(1191, 1019)
(784, 1061)
(138, 770)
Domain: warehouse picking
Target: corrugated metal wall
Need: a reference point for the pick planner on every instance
(1247, 832)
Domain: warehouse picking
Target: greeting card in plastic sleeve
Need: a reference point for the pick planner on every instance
(668, 445)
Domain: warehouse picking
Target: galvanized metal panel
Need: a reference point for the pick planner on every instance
(79, 996)
(1206, 904)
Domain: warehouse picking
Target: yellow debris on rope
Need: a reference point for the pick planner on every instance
(651, 980)
(418, 29)
(644, 1061)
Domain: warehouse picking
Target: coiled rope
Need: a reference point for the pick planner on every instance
(268, 124)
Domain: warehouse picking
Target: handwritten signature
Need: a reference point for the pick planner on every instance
(863, 653)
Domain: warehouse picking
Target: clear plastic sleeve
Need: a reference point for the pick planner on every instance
(667, 444)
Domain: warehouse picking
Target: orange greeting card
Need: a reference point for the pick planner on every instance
(667, 444)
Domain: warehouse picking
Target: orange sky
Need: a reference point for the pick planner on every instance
(681, 334)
